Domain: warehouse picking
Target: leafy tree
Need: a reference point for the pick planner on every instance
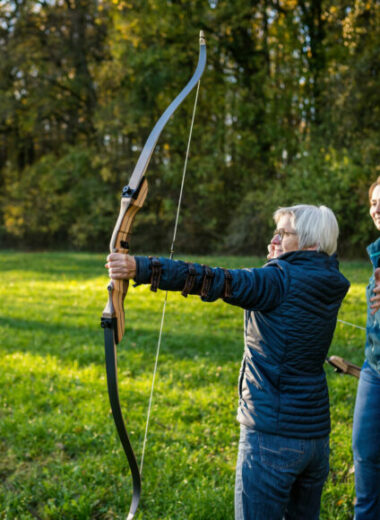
(288, 112)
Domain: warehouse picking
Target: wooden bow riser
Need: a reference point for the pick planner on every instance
(118, 288)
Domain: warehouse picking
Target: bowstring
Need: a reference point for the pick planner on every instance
(352, 324)
(166, 293)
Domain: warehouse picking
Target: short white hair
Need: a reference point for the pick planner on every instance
(315, 226)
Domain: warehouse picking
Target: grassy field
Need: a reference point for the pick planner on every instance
(60, 457)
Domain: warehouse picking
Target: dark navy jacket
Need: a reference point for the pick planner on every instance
(372, 346)
(291, 306)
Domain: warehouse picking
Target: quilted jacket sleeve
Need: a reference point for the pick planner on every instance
(255, 289)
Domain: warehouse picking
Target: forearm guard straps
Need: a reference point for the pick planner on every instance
(156, 274)
(190, 280)
(207, 281)
(227, 292)
(190, 286)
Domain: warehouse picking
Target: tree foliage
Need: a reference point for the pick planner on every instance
(288, 112)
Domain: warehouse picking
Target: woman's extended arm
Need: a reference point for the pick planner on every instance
(259, 289)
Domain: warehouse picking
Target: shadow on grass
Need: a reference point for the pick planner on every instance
(84, 345)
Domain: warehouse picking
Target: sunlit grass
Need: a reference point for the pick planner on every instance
(59, 454)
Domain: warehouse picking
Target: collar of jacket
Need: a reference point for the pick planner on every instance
(304, 256)
(373, 251)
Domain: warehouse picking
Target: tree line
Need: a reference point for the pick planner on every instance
(288, 112)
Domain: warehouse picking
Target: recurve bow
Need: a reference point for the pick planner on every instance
(113, 318)
(344, 366)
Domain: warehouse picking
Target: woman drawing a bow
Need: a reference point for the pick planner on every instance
(291, 306)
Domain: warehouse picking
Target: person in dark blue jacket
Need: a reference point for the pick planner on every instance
(366, 429)
(291, 307)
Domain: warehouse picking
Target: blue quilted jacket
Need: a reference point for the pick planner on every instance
(372, 346)
(291, 306)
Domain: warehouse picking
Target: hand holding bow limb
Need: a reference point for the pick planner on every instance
(121, 266)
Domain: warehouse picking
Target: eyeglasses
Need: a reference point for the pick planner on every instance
(283, 234)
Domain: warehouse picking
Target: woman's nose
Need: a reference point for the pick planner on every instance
(276, 240)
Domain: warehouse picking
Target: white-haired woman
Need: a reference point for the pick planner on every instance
(366, 430)
(291, 307)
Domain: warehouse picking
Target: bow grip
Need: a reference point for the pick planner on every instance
(132, 200)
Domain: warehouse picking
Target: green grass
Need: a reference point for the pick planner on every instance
(60, 457)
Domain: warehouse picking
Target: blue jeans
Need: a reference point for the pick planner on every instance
(366, 445)
(279, 477)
